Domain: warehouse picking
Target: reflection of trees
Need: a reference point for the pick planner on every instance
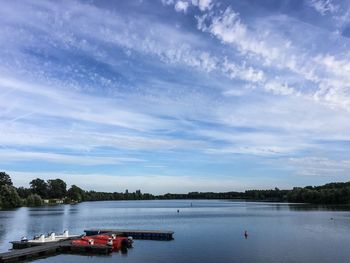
(315, 207)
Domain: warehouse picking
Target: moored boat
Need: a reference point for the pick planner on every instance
(117, 242)
(42, 239)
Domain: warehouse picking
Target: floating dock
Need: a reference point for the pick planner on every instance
(45, 249)
(29, 253)
(135, 234)
(22, 245)
(50, 249)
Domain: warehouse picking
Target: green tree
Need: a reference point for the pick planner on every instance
(34, 200)
(75, 193)
(57, 188)
(5, 179)
(9, 197)
(23, 192)
(39, 187)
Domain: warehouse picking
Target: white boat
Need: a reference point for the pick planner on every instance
(42, 239)
(52, 237)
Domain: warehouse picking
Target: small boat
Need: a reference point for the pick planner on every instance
(42, 239)
(117, 242)
(52, 237)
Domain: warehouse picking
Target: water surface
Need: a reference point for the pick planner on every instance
(207, 231)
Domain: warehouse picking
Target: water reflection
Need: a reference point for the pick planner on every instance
(205, 230)
(310, 207)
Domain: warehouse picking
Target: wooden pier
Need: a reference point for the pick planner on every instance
(29, 253)
(21, 244)
(50, 249)
(25, 251)
(135, 234)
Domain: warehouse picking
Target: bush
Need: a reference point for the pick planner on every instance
(34, 200)
(9, 197)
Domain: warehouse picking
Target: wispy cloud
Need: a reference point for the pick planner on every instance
(323, 6)
(280, 53)
(320, 166)
(198, 88)
(158, 184)
(181, 6)
(84, 160)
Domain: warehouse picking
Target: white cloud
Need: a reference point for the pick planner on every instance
(9, 156)
(242, 72)
(256, 79)
(168, 2)
(203, 4)
(76, 106)
(323, 6)
(323, 72)
(169, 44)
(320, 166)
(152, 183)
(87, 120)
(235, 92)
(276, 87)
(229, 29)
(258, 143)
(335, 88)
(181, 6)
(156, 184)
(339, 67)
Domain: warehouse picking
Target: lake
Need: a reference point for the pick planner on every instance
(207, 231)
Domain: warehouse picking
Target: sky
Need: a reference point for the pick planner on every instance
(175, 95)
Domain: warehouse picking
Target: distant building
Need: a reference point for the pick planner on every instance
(53, 201)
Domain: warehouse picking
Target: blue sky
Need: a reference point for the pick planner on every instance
(175, 95)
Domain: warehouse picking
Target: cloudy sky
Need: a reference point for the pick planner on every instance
(175, 95)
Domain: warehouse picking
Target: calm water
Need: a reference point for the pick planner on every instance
(209, 231)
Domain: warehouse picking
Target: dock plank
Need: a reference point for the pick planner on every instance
(136, 234)
(132, 231)
(15, 255)
(51, 248)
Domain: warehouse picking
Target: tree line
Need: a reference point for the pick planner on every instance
(332, 193)
(56, 189)
(52, 190)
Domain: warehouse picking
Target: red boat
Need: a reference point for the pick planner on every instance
(117, 242)
(81, 242)
(122, 242)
